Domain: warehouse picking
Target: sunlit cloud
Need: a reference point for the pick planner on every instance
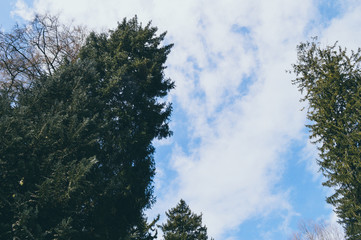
(238, 113)
(23, 10)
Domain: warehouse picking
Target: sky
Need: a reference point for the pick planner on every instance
(240, 152)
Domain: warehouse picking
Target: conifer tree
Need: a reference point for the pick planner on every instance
(330, 79)
(76, 153)
(183, 224)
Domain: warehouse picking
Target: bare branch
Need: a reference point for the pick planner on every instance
(318, 231)
(37, 49)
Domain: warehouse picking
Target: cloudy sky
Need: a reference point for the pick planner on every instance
(240, 153)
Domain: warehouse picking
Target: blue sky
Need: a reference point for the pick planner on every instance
(240, 153)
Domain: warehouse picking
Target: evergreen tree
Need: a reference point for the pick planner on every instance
(144, 230)
(330, 79)
(76, 153)
(182, 224)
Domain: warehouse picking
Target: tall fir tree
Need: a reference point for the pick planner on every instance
(330, 80)
(183, 224)
(76, 153)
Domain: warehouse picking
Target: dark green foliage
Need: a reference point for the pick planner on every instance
(331, 82)
(144, 230)
(76, 154)
(182, 224)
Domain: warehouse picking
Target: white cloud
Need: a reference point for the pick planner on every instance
(345, 28)
(231, 173)
(23, 10)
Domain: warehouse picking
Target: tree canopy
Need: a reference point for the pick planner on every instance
(183, 224)
(76, 153)
(318, 231)
(38, 48)
(330, 79)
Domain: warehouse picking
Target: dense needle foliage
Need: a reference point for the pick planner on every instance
(76, 154)
(330, 79)
(183, 224)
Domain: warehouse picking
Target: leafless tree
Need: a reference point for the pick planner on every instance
(318, 231)
(37, 49)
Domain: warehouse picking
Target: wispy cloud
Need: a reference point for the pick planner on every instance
(239, 110)
(23, 10)
(344, 28)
